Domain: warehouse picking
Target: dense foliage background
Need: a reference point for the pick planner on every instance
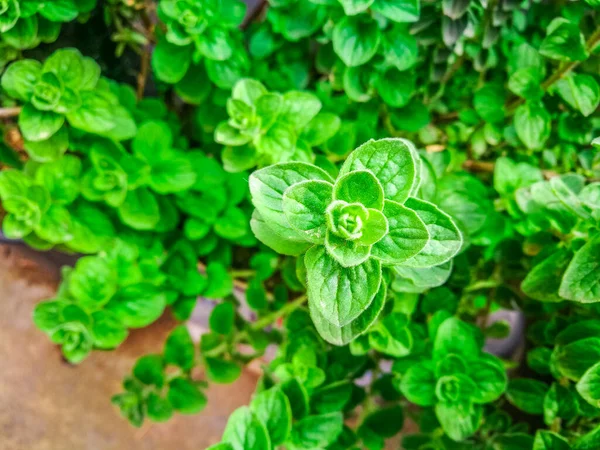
(189, 148)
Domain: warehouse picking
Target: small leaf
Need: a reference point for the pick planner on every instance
(356, 40)
(527, 394)
(392, 161)
(179, 348)
(185, 396)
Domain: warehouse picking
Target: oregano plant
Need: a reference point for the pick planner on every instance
(392, 205)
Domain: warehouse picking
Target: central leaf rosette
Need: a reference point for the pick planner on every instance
(350, 228)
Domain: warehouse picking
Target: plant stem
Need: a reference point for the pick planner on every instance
(563, 70)
(6, 113)
(242, 273)
(488, 166)
(270, 318)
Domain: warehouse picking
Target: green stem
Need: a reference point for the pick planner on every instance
(242, 273)
(270, 318)
(563, 70)
(259, 325)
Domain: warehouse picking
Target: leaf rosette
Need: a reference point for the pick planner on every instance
(350, 228)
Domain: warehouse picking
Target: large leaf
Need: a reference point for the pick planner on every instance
(340, 293)
(268, 185)
(345, 334)
(445, 239)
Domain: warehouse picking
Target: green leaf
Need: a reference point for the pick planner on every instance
(416, 280)
(489, 102)
(272, 239)
(543, 281)
(59, 10)
(93, 282)
(356, 40)
(458, 337)
(220, 283)
(527, 394)
(406, 237)
(299, 108)
(489, 377)
(100, 113)
(137, 305)
(298, 397)
(459, 420)
(400, 49)
(221, 319)
(331, 398)
(510, 176)
(222, 371)
(321, 128)
(49, 149)
(386, 422)
(353, 7)
(391, 336)
(580, 91)
(221, 446)
(158, 408)
(171, 62)
(398, 10)
(581, 281)
(20, 78)
(532, 123)
(317, 431)
(396, 88)
(224, 74)
(304, 206)
(548, 440)
(248, 91)
(47, 315)
(24, 34)
(445, 239)
(342, 294)
(10, 15)
(185, 396)
(107, 329)
(179, 348)
(589, 385)
(267, 187)
(39, 125)
(140, 209)
(55, 225)
(273, 409)
(525, 82)
(244, 431)
(194, 87)
(359, 186)
(575, 358)
(560, 402)
(418, 384)
(215, 44)
(149, 369)
(67, 65)
(392, 161)
(563, 41)
(343, 335)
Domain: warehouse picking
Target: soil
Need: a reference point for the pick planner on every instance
(49, 404)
